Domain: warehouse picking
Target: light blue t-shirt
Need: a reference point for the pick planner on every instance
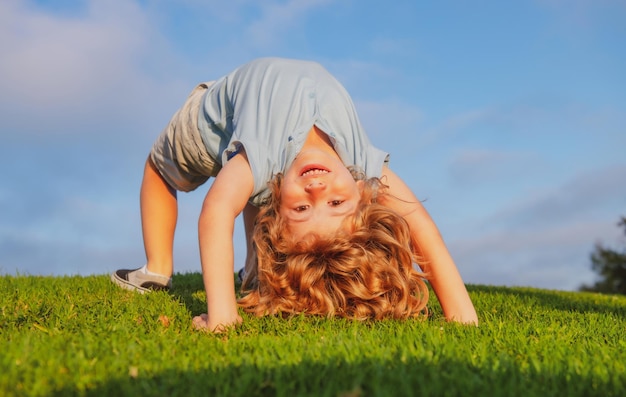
(268, 106)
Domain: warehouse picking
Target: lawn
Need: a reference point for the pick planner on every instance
(84, 336)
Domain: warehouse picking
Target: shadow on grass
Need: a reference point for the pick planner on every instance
(408, 377)
(568, 301)
(188, 288)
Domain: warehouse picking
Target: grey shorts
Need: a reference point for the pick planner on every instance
(179, 153)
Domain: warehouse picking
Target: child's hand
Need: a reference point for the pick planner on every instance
(202, 323)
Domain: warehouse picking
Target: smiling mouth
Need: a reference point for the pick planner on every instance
(314, 170)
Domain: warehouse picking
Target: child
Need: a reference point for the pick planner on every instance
(292, 123)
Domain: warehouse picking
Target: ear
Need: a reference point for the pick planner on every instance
(359, 184)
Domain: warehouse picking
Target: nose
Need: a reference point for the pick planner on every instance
(315, 187)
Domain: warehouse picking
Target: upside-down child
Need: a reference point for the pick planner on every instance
(331, 230)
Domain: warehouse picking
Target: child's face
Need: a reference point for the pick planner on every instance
(317, 194)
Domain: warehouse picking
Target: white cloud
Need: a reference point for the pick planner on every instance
(402, 47)
(277, 18)
(74, 71)
(81, 235)
(480, 166)
(451, 127)
(544, 239)
(555, 256)
(389, 118)
(595, 193)
(364, 78)
(584, 14)
(53, 57)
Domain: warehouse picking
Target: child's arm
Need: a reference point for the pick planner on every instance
(438, 263)
(224, 201)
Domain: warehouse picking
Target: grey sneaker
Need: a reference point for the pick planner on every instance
(241, 274)
(136, 280)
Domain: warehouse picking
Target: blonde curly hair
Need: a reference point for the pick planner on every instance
(364, 271)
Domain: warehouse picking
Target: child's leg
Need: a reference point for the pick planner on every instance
(159, 212)
(159, 206)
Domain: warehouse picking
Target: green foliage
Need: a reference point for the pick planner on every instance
(610, 265)
(83, 336)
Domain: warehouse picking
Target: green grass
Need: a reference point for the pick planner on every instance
(85, 336)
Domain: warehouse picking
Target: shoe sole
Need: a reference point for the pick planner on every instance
(126, 285)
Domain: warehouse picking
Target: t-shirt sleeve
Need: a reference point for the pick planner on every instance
(262, 166)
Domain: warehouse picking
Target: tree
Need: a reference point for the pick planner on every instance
(610, 265)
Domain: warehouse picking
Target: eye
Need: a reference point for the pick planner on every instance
(301, 208)
(335, 203)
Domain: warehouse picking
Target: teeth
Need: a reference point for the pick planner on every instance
(314, 172)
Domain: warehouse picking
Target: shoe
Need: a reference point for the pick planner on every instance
(136, 280)
(241, 274)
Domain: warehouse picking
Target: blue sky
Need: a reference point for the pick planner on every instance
(507, 118)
